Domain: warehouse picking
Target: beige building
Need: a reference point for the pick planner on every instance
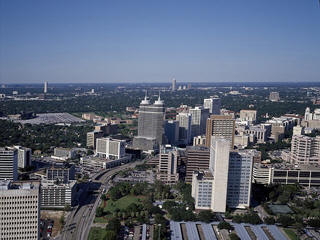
(198, 158)
(110, 148)
(199, 140)
(220, 126)
(305, 150)
(248, 115)
(19, 210)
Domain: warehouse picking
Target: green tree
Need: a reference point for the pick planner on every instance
(225, 225)
(99, 212)
(233, 236)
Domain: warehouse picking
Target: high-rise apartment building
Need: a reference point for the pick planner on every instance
(213, 104)
(19, 210)
(150, 125)
(220, 126)
(110, 148)
(198, 158)
(239, 179)
(168, 165)
(8, 164)
(305, 150)
(184, 120)
(198, 120)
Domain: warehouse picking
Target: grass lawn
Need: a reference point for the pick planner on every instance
(96, 233)
(122, 203)
(291, 234)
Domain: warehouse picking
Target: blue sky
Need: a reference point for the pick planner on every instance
(152, 41)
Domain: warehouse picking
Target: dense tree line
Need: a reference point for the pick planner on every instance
(42, 137)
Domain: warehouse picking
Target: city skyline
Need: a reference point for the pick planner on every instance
(108, 42)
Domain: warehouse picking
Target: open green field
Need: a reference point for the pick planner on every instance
(121, 203)
(96, 233)
(291, 234)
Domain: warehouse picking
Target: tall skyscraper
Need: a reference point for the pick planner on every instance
(220, 126)
(184, 120)
(213, 104)
(219, 166)
(45, 88)
(239, 179)
(198, 121)
(150, 125)
(174, 84)
(8, 164)
(19, 210)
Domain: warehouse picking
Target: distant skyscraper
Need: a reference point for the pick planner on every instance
(8, 164)
(45, 89)
(213, 104)
(150, 125)
(220, 126)
(20, 210)
(174, 84)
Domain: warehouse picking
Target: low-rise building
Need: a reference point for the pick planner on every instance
(248, 115)
(64, 153)
(55, 194)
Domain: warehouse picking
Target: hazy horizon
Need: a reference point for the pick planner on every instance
(144, 42)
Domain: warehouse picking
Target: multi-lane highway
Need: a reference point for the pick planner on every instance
(79, 221)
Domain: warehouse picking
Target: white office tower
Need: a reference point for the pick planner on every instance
(239, 179)
(209, 187)
(174, 84)
(110, 148)
(168, 165)
(219, 166)
(198, 121)
(45, 88)
(184, 120)
(213, 104)
(24, 157)
(8, 164)
(19, 210)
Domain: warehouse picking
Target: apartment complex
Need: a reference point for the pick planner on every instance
(220, 126)
(19, 210)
